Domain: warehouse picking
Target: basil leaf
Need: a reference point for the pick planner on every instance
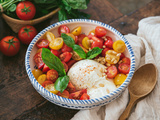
(12, 8)
(61, 83)
(68, 40)
(93, 53)
(52, 61)
(79, 51)
(62, 15)
(77, 4)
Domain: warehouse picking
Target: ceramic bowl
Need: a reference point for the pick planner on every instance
(87, 25)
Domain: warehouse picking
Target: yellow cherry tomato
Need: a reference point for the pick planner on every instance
(119, 46)
(112, 57)
(71, 35)
(75, 56)
(92, 32)
(49, 36)
(77, 31)
(86, 43)
(56, 44)
(42, 78)
(119, 79)
(51, 88)
(36, 73)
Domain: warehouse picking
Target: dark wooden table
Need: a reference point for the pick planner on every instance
(18, 98)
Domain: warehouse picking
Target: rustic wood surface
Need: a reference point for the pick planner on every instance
(19, 100)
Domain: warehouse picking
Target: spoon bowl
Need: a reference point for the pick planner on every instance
(142, 83)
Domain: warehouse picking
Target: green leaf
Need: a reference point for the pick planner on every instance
(62, 15)
(68, 40)
(61, 83)
(93, 53)
(12, 8)
(77, 4)
(79, 51)
(52, 61)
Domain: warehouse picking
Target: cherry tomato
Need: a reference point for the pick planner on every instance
(26, 34)
(70, 63)
(124, 68)
(92, 32)
(107, 38)
(78, 94)
(77, 31)
(65, 57)
(70, 88)
(112, 57)
(86, 43)
(119, 46)
(90, 35)
(75, 56)
(45, 69)
(25, 10)
(119, 79)
(56, 44)
(47, 82)
(100, 31)
(111, 71)
(96, 43)
(63, 29)
(42, 43)
(38, 60)
(126, 60)
(49, 36)
(108, 43)
(104, 51)
(55, 52)
(85, 96)
(80, 38)
(65, 48)
(65, 66)
(64, 94)
(36, 73)
(51, 88)
(122, 56)
(76, 39)
(42, 78)
(9, 45)
(52, 75)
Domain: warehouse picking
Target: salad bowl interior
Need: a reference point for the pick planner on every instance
(86, 25)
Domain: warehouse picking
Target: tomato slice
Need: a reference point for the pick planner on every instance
(85, 96)
(70, 87)
(47, 82)
(77, 31)
(63, 29)
(55, 52)
(49, 36)
(51, 88)
(43, 43)
(112, 57)
(104, 51)
(38, 60)
(122, 56)
(65, 66)
(56, 44)
(126, 60)
(111, 71)
(119, 79)
(78, 94)
(96, 42)
(100, 31)
(86, 43)
(64, 94)
(45, 69)
(70, 63)
(42, 78)
(65, 57)
(52, 75)
(108, 43)
(124, 68)
(36, 73)
(119, 46)
(65, 48)
(80, 38)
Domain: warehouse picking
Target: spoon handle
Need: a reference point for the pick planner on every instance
(126, 112)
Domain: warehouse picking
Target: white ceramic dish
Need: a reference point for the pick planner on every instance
(87, 25)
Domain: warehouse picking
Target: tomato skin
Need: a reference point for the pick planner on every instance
(52, 75)
(100, 31)
(65, 48)
(47, 82)
(63, 29)
(126, 60)
(65, 57)
(119, 79)
(55, 52)
(96, 43)
(124, 68)
(70, 63)
(36, 73)
(85, 96)
(26, 34)
(9, 41)
(111, 71)
(42, 43)
(65, 66)
(64, 94)
(45, 69)
(80, 38)
(104, 51)
(70, 88)
(76, 95)
(38, 60)
(122, 56)
(29, 14)
(108, 43)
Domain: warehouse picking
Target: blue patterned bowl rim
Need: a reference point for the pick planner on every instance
(40, 89)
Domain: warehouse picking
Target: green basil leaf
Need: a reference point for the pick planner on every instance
(61, 83)
(12, 8)
(93, 53)
(68, 40)
(79, 51)
(52, 61)
(77, 4)
(62, 15)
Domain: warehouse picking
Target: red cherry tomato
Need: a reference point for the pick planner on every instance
(63, 29)
(85, 96)
(45, 69)
(65, 48)
(26, 34)
(80, 38)
(55, 52)
(96, 43)
(9, 45)
(104, 51)
(38, 60)
(122, 56)
(42, 43)
(126, 60)
(65, 57)
(108, 43)
(124, 68)
(78, 94)
(111, 71)
(52, 75)
(64, 94)
(100, 31)
(91, 35)
(70, 87)
(47, 82)
(76, 39)
(25, 10)
(70, 63)
(65, 66)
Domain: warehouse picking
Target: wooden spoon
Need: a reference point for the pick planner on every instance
(142, 83)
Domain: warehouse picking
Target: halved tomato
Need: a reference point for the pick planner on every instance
(56, 44)
(64, 94)
(77, 30)
(96, 42)
(85, 96)
(42, 43)
(47, 82)
(100, 31)
(65, 48)
(65, 57)
(52, 75)
(78, 94)
(45, 69)
(80, 38)
(126, 60)
(63, 29)
(70, 88)
(124, 68)
(38, 60)
(111, 71)
(55, 52)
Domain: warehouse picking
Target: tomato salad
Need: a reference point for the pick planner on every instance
(72, 46)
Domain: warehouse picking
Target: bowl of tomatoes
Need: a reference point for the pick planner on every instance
(80, 63)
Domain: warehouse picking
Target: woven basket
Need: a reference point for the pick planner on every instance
(16, 24)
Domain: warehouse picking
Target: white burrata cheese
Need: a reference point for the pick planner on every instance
(88, 74)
